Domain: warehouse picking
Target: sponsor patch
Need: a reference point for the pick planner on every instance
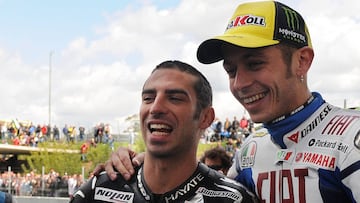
(317, 160)
(357, 140)
(183, 190)
(260, 134)
(328, 144)
(284, 156)
(109, 195)
(338, 124)
(247, 20)
(225, 194)
(294, 137)
(248, 155)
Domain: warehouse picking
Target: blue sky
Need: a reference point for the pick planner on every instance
(38, 26)
(104, 50)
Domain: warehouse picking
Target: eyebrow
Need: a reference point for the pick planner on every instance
(168, 91)
(252, 53)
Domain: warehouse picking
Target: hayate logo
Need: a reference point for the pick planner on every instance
(248, 155)
(183, 190)
(246, 20)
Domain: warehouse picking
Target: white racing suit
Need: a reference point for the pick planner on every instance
(311, 156)
(204, 186)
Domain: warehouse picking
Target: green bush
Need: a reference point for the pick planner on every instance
(71, 163)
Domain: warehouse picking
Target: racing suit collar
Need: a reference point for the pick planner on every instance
(279, 129)
(191, 184)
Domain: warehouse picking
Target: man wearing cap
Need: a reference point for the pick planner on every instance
(308, 150)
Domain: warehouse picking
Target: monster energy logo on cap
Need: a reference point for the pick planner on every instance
(292, 18)
(290, 26)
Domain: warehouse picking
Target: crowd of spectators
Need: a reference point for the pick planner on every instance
(31, 135)
(233, 133)
(55, 185)
(33, 184)
(52, 184)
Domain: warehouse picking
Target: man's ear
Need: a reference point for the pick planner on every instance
(305, 58)
(207, 117)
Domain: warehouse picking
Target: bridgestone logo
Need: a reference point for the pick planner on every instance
(213, 193)
(109, 195)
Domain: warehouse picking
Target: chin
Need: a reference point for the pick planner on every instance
(258, 118)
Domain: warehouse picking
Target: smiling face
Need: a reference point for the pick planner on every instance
(263, 83)
(168, 118)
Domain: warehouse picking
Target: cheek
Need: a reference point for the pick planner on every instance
(232, 89)
(231, 85)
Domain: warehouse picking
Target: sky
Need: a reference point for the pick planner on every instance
(91, 58)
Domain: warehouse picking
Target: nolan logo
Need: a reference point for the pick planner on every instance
(109, 195)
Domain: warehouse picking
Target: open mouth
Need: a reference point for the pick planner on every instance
(254, 98)
(160, 128)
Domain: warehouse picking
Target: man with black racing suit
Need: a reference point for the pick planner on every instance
(205, 185)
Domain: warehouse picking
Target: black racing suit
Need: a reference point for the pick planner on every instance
(205, 185)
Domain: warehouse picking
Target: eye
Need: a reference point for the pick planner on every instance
(176, 98)
(255, 64)
(147, 98)
(230, 70)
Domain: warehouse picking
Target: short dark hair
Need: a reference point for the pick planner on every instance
(218, 153)
(287, 51)
(202, 86)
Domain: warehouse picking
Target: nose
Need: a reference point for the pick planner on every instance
(158, 107)
(241, 80)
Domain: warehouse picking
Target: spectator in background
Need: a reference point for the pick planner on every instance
(72, 184)
(83, 150)
(99, 133)
(56, 133)
(234, 128)
(65, 131)
(110, 142)
(6, 198)
(216, 127)
(217, 159)
(3, 130)
(43, 133)
(81, 133)
(107, 132)
(72, 133)
(244, 123)
(48, 132)
(227, 125)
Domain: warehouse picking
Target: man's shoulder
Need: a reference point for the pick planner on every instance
(218, 178)
(218, 184)
(100, 187)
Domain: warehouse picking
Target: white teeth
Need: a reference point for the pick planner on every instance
(254, 98)
(159, 126)
(160, 129)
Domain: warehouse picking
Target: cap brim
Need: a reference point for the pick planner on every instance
(210, 50)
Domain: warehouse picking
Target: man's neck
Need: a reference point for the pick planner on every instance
(163, 175)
